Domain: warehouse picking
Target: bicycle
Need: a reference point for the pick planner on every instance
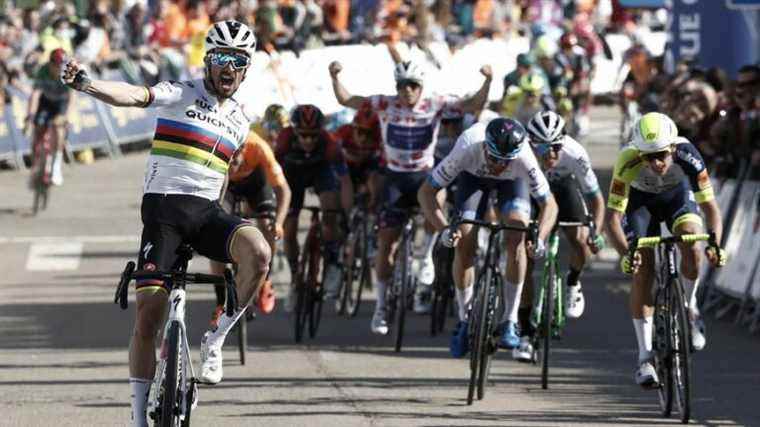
(309, 290)
(357, 274)
(671, 342)
(174, 392)
(486, 305)
(443, 289)
(400, 294)
(43, 151)
(548, 314)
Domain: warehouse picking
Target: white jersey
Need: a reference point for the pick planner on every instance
(468, 155)
(409, 135)
(574, 163)
(194, 140)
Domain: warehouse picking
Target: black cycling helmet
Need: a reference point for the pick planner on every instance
(504, 138)
(307, 117)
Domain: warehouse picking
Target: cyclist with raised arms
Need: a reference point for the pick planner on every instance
(409, 124)
(257, 182)
(490, 158)
(311, 157)
(567, 167)
(660, 177)
(200, 124)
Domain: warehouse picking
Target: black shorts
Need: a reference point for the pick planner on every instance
(359, 172)
(473, 195)
(399, 195)
(645, 211)
(48, 110)
(570, 202)
(321, 178)
(172, 219)
(256, 191)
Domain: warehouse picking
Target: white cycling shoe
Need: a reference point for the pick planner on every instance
(698, 336)
(426, 273)
(646, 375)
(575, 302)
(379, 325)
(211, 360)
(332, 281)
(524, 352)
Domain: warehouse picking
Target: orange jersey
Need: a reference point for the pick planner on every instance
(253, 154)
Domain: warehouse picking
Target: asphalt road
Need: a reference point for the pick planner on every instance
(63, 342)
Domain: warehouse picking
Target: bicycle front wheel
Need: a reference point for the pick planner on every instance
(488, 345)
(662, 347)
(316, 292)
(302, 296)
(402, 285)
(478, 329)
(171, 387)
(550, 281)
(681, 355)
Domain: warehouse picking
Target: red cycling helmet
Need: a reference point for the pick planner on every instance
(307, 117)
(365, 118)
(568, 40)
(57, 56)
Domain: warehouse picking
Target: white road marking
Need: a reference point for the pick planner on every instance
(54, 257)
(75, 239)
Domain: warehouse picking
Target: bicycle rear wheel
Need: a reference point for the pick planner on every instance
(402, 286)
(171, 388)
(548, 313)
(478, 329)
(661, 345)
(315, 290)
(681, 354)
(303, 295)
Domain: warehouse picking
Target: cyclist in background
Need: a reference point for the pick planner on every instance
(409, 123)
(274, 121)
(577, 67)
(311, 157)
(490, 158)
(257, 182)
(530, 98)
(525, 66)
(200, 124)
(660, 177)
(49, 105)
(567, 167)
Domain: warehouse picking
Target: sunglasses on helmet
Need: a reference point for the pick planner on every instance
(221, 59)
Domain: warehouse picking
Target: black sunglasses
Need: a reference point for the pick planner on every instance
(404, 83)
(660, 155)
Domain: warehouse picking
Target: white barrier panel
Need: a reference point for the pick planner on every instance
(743, 244)
(368, 69)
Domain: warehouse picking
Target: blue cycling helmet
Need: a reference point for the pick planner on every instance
(504, 138)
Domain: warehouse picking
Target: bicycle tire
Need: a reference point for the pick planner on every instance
(242, 334)
(661, 345)
(315, 289)
(681, 352)
(302, 296)
(548, 314)
(171, 390)
(364, 277)
(402, 261)
(480, 307)
(488, 346)
(191, 392)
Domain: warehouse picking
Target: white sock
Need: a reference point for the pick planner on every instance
(643, 328)
(225, 325)
(428, 244)
(140, 391)
(512, 294)
(380, 288)
(690, 292)
(464, 298)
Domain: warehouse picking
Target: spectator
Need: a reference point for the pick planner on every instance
(59, 34)
(197, 24)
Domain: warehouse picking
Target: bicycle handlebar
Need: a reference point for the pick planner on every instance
(495, 227)
(651, 242)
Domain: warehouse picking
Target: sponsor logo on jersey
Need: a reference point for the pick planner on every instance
(214, 121)
(618, 188)
(690, 159)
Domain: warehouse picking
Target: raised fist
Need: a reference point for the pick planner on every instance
(334, 68)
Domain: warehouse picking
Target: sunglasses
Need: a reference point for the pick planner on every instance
(496, 160)
(272, 126)
(307, 134)
(408, 83)
(221, 59)
(367, 132)
(650, 157)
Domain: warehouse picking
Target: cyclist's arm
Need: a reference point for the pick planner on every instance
(547, 216)
(476, 102)
(597, 210)
(344, 97)
(713, 218)
(119, 94)
(431, 209)
(34, 103)
(614, 223)
(282, 193)
(346, 192)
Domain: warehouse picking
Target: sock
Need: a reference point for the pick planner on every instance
(643, 328)
(225, 325)
(428, 244)
(572, 276)
(523, 315)
(220, 294)
(140, 391)
(380, 287)
(690, 293)
(512, 294)
(464, 298)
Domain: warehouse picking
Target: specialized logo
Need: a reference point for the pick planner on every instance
(146, 249)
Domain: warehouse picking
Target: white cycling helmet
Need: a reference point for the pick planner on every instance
(654, 132)
(231, 34)
(408, 71)
(546, 127)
